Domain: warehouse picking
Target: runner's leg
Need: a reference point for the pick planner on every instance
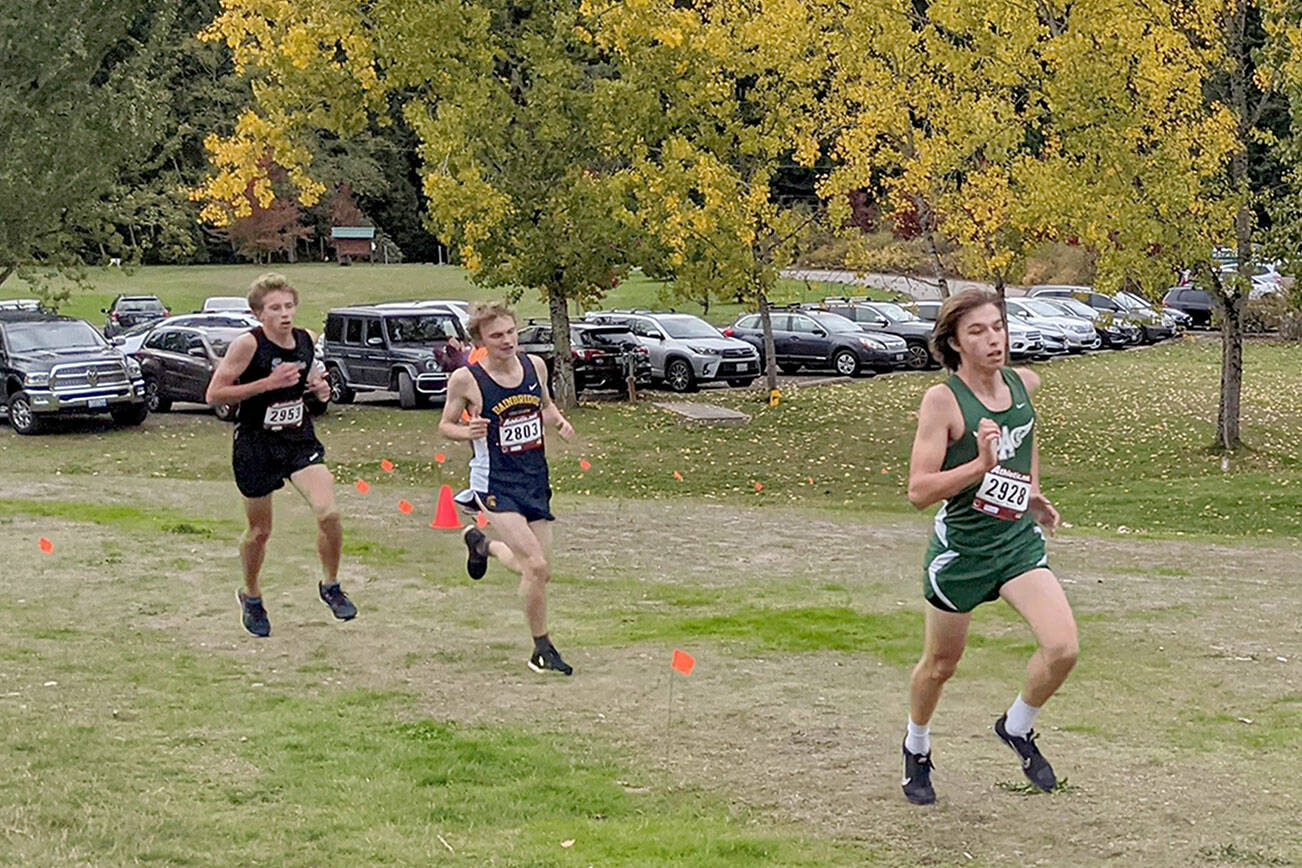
(530, 555)
(946, 636)
(253, 545)
(316, 484)
(1037, 597)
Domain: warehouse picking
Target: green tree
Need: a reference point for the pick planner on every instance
(82, 98)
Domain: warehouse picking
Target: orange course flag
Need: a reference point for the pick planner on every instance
(585, 464)
(404, 507)
(683, 662)
(46, 546)
(386, 465)
(363, 487)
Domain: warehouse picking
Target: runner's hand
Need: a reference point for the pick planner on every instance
(282, 377)
(477, 426)
(564, 428)
(318, 384)
(987, 437)
(1044, 513)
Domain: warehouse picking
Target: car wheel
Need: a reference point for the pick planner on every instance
(788, 367)
(21, 417)
(679, 376)
(131, 414)
(845, 363)
(154, 402)
(406, 391)
(225, 412)
(742, 383)
(339, 391)
(919, 358)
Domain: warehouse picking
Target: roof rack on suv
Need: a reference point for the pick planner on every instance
(638, 310)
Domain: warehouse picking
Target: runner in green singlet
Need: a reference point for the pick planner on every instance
(975, 452)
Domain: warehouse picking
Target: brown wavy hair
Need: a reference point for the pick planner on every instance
(267, 284)
(482, 313)
(946, 329)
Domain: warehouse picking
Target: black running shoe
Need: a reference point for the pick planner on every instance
(547, 657)
(477, 548)
(1034, 766)
(338, 601)
(917, 777)
(253, 616)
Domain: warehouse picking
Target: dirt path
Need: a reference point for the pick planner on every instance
(1178, 734)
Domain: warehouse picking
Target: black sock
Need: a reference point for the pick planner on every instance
(541, 642)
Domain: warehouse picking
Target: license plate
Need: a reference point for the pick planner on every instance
(97, 403)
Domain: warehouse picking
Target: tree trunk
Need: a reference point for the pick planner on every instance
(563, 362)
(770, 355)
(1227, 417)
(6, 271)
(932, 250)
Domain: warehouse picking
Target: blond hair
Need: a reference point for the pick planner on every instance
(483, 312)
(267, 284)
(954, 309)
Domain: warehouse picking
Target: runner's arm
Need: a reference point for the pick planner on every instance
(939, 422)
(461, 391)
(1042, 510)
(551, 413)
(1030, 379)
(222, 388)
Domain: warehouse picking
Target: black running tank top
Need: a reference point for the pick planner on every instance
(281, 412)
(513, 452)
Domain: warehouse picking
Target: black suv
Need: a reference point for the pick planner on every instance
(52, 365)
(603, 354)
(1193, 301)
(818, 339)
(178, 362)
(389, 347)
(132, 310)
(885, 316)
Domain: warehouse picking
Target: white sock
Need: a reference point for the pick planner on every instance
(918, 739)
(1021, 717)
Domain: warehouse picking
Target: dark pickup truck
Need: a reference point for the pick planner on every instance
(52, 365)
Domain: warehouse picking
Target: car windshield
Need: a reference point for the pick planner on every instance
(1130, 302)
(893, 312)
(53, 336)
(421, 328)
(687, 327)
(1043, 308)
(1076, 307)
(140, 305)
(835, 323)
(610, 337)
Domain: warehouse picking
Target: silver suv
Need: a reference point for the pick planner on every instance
(686, 350)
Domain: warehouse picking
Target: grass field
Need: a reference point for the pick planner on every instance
(144, 726)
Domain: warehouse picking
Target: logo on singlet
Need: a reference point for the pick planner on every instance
(1010, 441)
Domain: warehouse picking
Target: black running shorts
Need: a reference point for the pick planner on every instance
(263, 462)
(533, 502)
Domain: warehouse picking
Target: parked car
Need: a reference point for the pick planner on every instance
(131, 340)
(458, 306)
(226, 304)
(603, 354)
(1024, 342)
(53, 365)
(390, 347)
(891, 318)
(178, 361)
(1156, 326)
(1061, 333)
(1150, 324)
(818, 339)
(20, 304)
(1195, 302)
(686, 350)
(130, 310)
(1113, 333)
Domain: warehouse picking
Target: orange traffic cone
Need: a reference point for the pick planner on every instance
(445, 517)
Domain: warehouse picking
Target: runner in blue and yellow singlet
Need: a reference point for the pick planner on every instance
(975, 453)
(500, 404)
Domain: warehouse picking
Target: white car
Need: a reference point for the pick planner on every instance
(459, 307)
(131, 340)
(1077, 335)
(226, 304)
